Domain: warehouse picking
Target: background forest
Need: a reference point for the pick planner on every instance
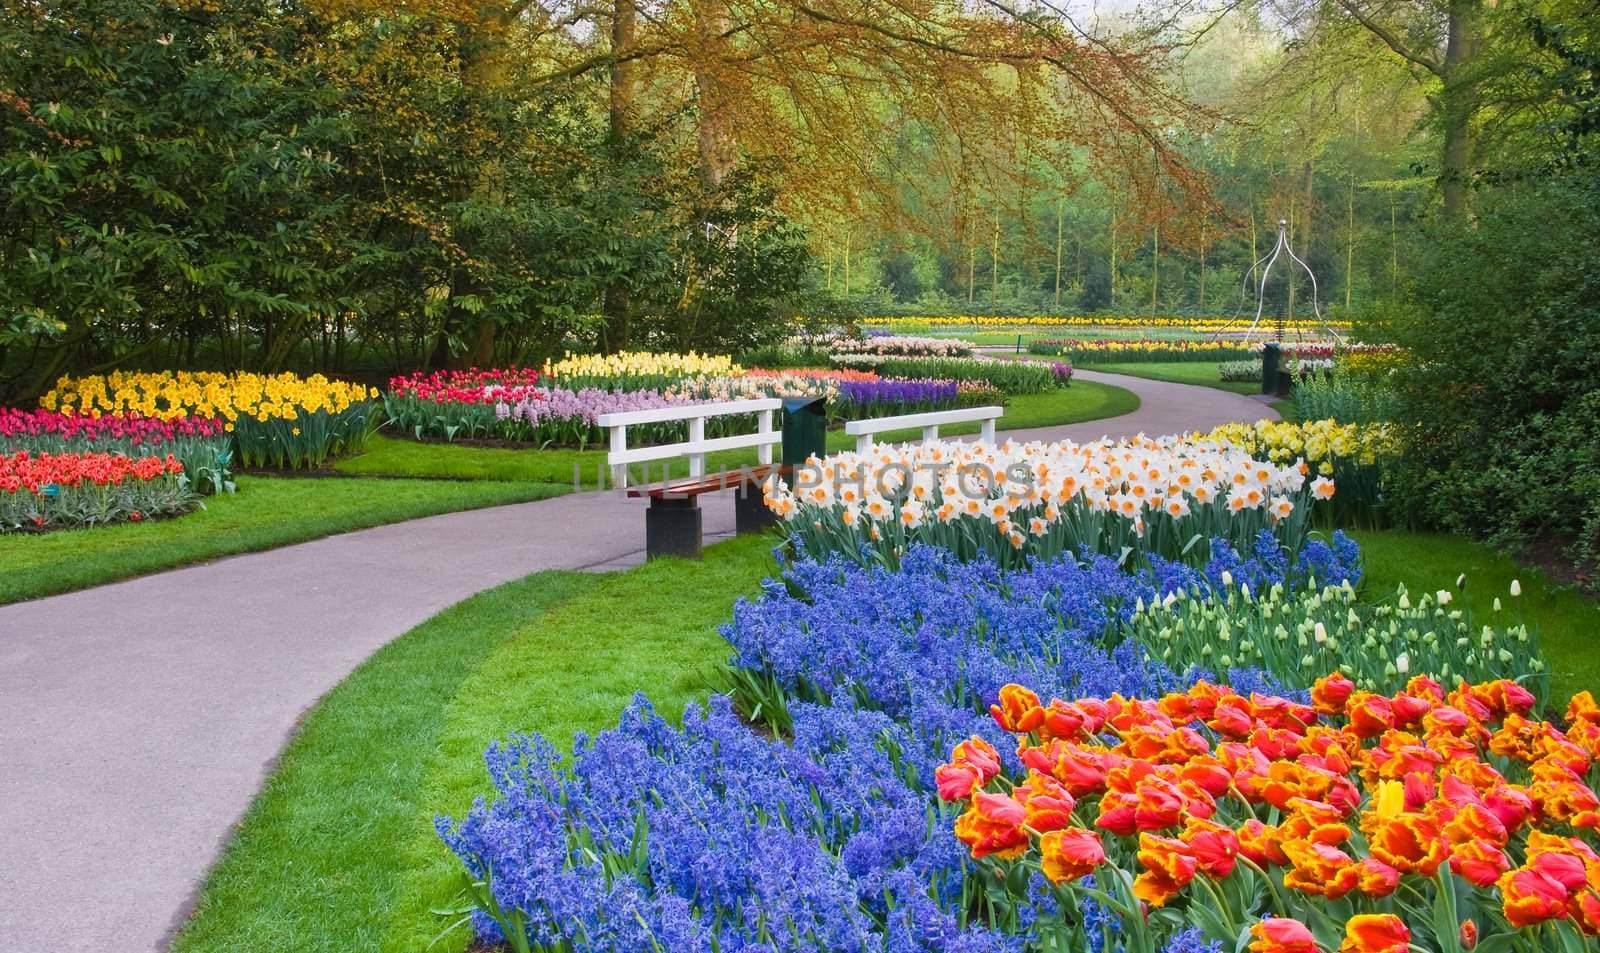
(362, 187)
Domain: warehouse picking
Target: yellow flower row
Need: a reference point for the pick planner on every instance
(1090, 321)
(169, 394)
(1318, 441)
(640, 364)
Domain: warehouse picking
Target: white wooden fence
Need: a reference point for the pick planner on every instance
(930, 423)
(697, 446)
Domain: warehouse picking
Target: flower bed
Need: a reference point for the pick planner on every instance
(1202, 325)
(1010, 377)
(1020, 501)
(59, 490)
(1379, 647)
(1422, 820)
(634, 370)
(714, 836)
(1117, 350)
(896, 345)
(1352, 456)
(718, 835)
(511, 405)
(200, 444)
(279, 420)
(883, 398)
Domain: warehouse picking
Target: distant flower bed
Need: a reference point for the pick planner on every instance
(897, 345)
(1205, 325)
(280, 420)
(1131, 350)
(887, 397)
(513, 404)
(61, 490)
(1010, 377)
(1018, 502)
(634, 370)
(201, 444)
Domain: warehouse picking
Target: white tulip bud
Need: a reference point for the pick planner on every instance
(1516, 587)
(1227, 580)
(1444, 597)
(1403, 663)
(1321, 633)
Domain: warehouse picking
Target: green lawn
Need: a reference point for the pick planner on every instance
(1568, 622)
(266, 512)
(338, 852)
(1203, 373)
(391, 456)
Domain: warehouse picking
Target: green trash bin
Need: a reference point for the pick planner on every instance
(1270, 359)
(805, 429)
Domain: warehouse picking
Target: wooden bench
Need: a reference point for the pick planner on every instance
(930, 422)
(673, 523)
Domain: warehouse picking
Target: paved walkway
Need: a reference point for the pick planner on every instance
(138, 719)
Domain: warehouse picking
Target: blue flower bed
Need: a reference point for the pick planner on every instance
(718, 836)
(887, 397)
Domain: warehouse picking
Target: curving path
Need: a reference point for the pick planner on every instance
(138, 719)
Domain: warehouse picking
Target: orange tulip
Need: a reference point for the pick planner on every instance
(1478, 862)
(1531, 898)
(1375, 933)
(1046, 804)
(1070, 854)
(1169, 867)
(1330, 692)
(992, 824)
(1018, 711)
(1282, 935)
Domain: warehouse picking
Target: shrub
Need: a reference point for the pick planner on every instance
(1501, 390)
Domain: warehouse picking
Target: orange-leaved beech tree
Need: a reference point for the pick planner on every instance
(818, 98)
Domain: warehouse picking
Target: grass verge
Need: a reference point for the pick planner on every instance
(391, 456)
(1202, 373)
(266, 512)
(1568, 622)
(338, 852)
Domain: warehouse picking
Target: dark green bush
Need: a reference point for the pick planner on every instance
(1501, 395)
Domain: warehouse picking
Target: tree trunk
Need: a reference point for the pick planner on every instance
(614, 303)
(1058, 254)
(718, 144)
(1457, 104)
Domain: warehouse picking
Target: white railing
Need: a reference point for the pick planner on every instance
(930, 423)
(697, 446)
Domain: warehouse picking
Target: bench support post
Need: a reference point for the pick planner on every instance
(672, 527)
(750, 513)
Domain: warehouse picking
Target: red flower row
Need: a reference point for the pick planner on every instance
(48, 423)
(23, 471)
(470, 386)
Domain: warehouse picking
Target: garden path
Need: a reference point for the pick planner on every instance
(137, 719)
